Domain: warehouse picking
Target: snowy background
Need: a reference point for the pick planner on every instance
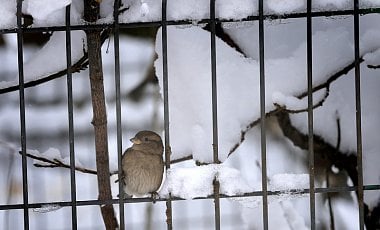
(190, 112)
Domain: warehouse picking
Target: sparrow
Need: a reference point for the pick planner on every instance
(142, 165)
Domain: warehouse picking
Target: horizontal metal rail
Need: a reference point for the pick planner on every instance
(294, 192)
(188, 22)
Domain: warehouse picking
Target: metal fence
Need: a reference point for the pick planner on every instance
(212, 22)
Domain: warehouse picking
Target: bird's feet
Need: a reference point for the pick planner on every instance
(154, 197)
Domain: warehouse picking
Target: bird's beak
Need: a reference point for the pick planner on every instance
(135, 141)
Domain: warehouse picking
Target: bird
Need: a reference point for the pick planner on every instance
(143, 165)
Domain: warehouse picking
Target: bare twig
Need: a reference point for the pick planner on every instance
(338, 131)
(55, 163)
(186, 158)
(373, 66)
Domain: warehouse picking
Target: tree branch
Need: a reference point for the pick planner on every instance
(345, 70)
(294, 111)
(343, 160)
(81, 64)
(55, 163)
(91, 14)
(325, 85)
(373, 66)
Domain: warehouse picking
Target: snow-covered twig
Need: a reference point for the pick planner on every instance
(81, 64)
(324, 85)
(345, 70)
(294, 111)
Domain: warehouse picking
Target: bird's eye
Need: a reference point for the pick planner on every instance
(146, 139)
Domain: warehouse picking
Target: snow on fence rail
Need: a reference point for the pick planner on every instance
(221, 156)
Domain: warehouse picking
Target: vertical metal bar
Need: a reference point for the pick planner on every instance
(358, 115)
(262, 116)
(74, 219)
(310, 117)
(118, 109)
(215, 143)
(169, 215)
(22, 114)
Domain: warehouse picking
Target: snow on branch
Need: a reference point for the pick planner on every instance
(35, 74)
(238, 110)
(195, 182)
(372, 59)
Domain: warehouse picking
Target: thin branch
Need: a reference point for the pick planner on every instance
(343, 160)
(295, 111)
(345, 70)
(56, 163)
(338, 131)
(325, 85)
(182, 159)
(249, 127)
(373, 66)
(81, 64)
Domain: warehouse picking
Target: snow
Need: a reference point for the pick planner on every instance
(281, 7)
(47, 208)
(54, 53)
(52, 56)
(280, 182)
(190, 85)
(293, 103)
(197, 181)
(372, 58)
(344, 209)
(295, 220)
(49, 13)
(190, 106)
(41, 9)
(8, 12)
(197, 10)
